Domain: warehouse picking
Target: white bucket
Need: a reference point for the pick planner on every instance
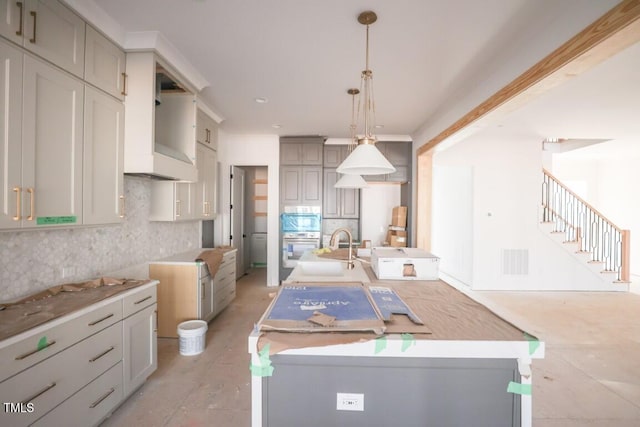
(192, 335)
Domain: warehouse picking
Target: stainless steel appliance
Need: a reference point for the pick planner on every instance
(301, 228)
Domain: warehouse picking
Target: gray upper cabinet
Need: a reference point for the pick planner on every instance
(301, 151)
(301, 185)
(399, 155)
(341, 203)
(334, 155)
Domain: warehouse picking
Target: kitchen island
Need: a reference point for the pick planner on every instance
(465, 366)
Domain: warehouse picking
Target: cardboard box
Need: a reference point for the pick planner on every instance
(397, 238)
(399, 216)
(404, 264)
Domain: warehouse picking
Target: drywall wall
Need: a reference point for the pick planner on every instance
(251, 150)
(33, 260)
(506, 183)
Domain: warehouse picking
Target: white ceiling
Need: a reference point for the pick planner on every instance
(302, 55)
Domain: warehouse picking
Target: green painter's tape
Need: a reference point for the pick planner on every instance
(264, 369)
(533, 343)
(407, 341)
(381, 344)
(48, 220)
(42, 343)
(517, 388)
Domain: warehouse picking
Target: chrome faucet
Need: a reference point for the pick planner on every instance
(333, 243)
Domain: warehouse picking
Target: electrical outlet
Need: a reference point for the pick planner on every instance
(350, 402)
(68, 272)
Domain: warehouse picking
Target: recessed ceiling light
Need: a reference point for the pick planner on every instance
(276, 126)
(379, 126)
(262, 100)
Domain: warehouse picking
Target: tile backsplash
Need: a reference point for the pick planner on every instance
(34, 260)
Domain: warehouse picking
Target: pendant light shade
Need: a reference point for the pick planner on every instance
(351, 181)
(365, 159)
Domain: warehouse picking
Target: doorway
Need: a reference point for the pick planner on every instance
(248, 216)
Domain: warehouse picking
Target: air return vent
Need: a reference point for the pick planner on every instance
(515, 262)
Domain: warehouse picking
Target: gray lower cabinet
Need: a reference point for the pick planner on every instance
(301, 185)
(339, 202)
(408, 392)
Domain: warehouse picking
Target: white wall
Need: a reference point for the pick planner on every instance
(507, 176)
(251, 150)
(376, 204)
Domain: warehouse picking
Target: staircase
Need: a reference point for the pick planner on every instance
(585, 233)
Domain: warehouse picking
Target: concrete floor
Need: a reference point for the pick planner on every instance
(589, 377)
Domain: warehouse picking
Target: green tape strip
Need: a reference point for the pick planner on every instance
(517, 388)
(407, 341)
(42, 343)
(381, 344)
(533, 343)
(264, 369)
(48, 220)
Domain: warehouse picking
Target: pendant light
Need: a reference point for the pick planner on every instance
(350, 180)
(366, 159)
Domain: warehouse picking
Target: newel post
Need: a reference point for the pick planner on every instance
(626, 251)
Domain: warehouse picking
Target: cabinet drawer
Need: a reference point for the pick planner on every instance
(37, 347)
(224, 272)
(225, 301)
(89, 405)
(228, 259)
(224, 292)
(141, 299)
(50, 382)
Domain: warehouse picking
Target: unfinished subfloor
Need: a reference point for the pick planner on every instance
(590, 376)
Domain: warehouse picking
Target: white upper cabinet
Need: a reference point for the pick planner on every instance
(47, 28)
(103, 159)
(160, 136)
(105, 64)
(52, 139)
(10, 136)
(206, 130)
(207, 161)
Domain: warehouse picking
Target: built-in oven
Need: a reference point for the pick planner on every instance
(301, 228)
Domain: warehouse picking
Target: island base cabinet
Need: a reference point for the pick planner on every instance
(91, 404)
(140, 344)
(396, 391)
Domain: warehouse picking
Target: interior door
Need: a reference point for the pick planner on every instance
(237, 217)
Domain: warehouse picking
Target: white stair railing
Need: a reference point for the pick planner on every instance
(581, 223)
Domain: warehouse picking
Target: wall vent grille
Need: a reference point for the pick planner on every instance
(515, 262)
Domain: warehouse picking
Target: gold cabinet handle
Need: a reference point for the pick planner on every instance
(155, 314)
(17, 190)
(20, 28)
(41, 392)
(206, 208)
(122, 207)
(103, 397)
(95, 322)
(178, 207)
(32, 203)
(104, 353)
(202, 287)
(124, 84)
(33, 39)
(40, 348)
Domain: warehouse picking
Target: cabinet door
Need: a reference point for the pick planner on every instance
(311, 154)
(205, 196)
(312, 185)
(10, 134)
(398, 153)
(206, 130)
(51, 145)
(185, 200)
(290, 153)
(331, 195)
(104, 64)
(10, 13)
(140, 348)
(206, 298)
(333, 155)
(350, 203)
(400, 175)
(103, 159)
(54, 32)
(290, 185)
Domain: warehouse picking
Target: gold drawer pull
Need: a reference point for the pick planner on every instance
(31, 203)
(124, 84)
(19, 4)
(95, 322)
(41, 392)
(97, 402)
(40, 348)
(93, 359)
(142, 300)
(17, 190)
(122, 214)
